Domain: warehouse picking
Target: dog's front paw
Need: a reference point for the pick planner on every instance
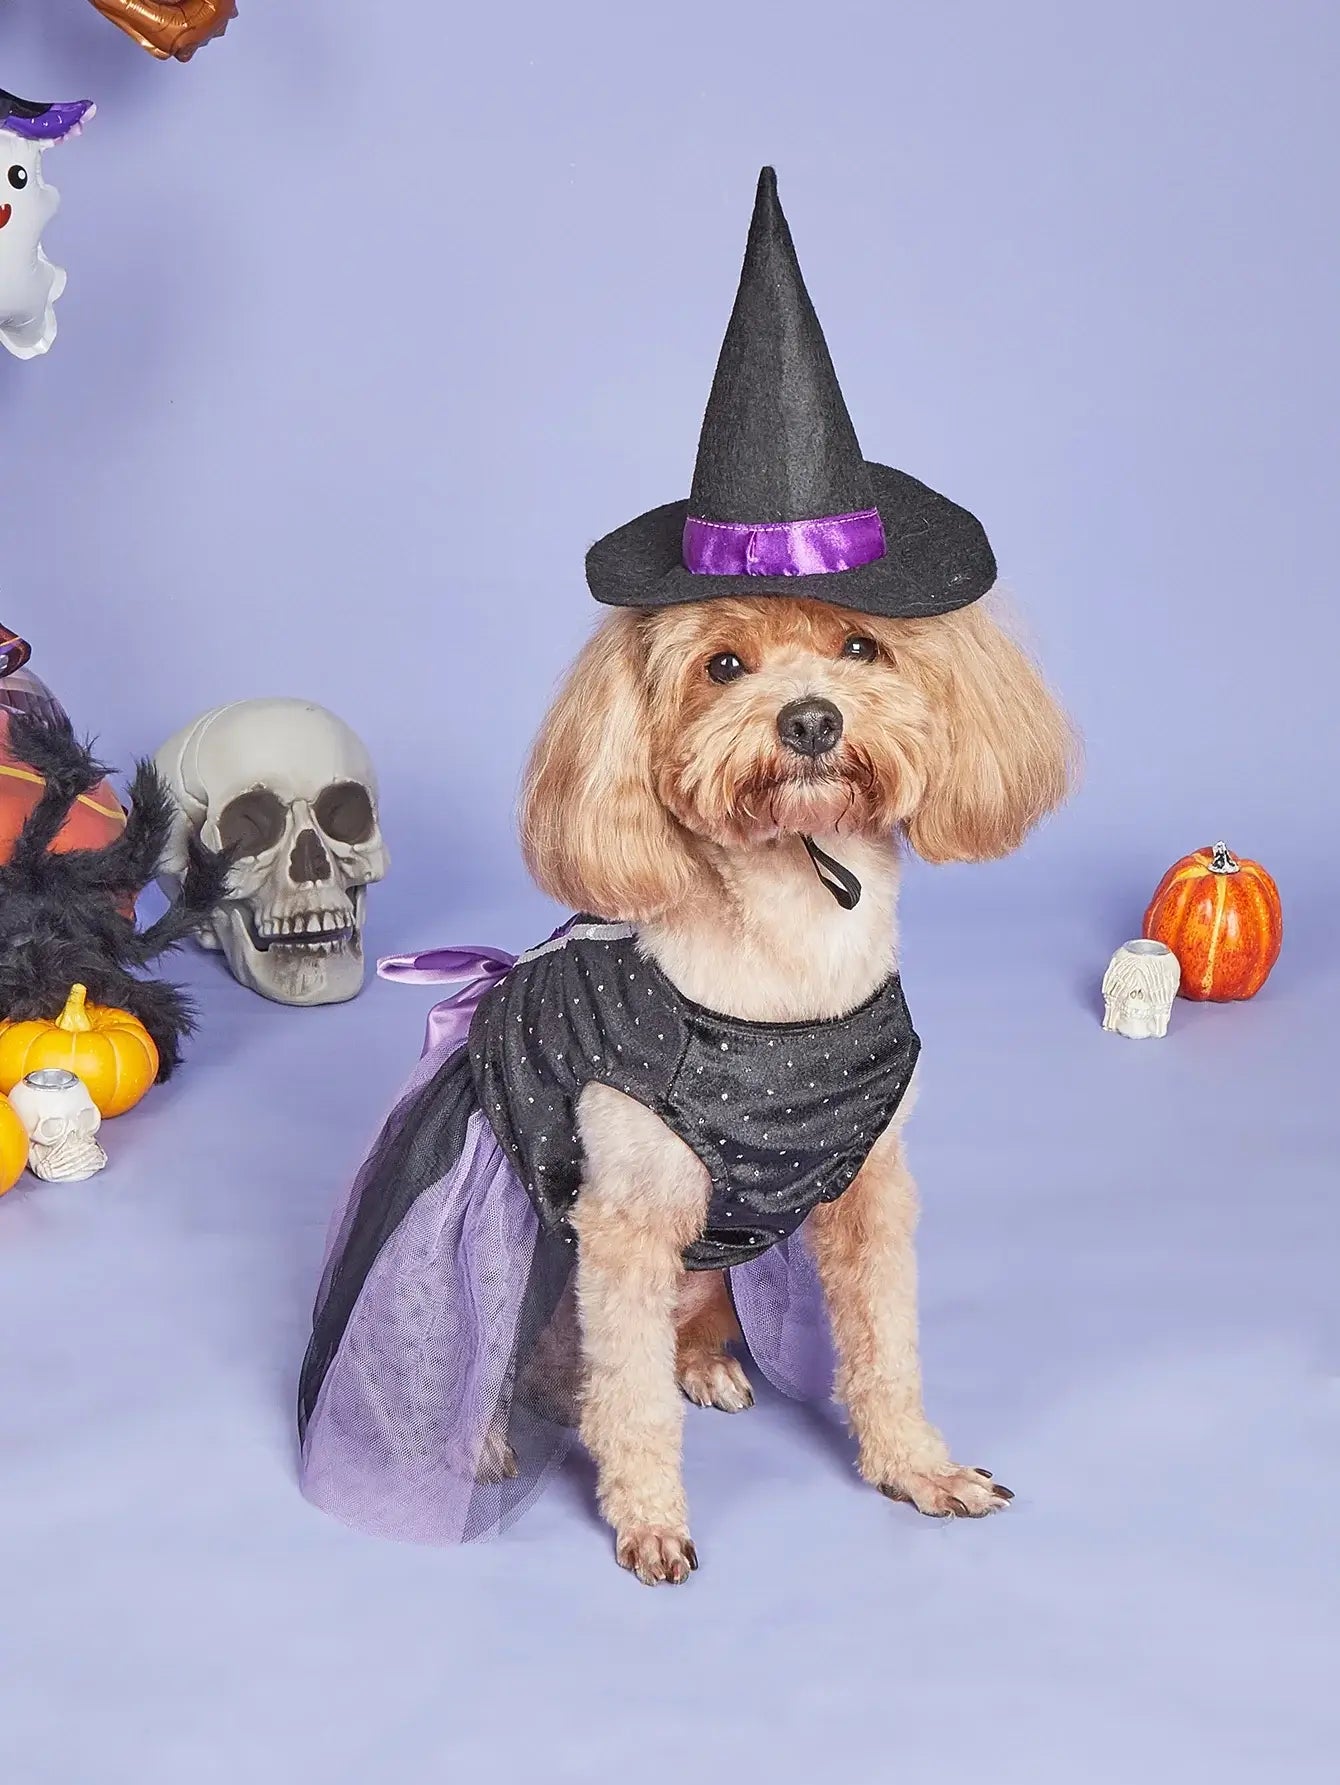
(657, 1555)
(715, 1379)
(946, 1491)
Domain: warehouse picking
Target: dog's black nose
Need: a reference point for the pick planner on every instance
(810, 727)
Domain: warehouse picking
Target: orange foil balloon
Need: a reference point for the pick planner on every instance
(170, 30)
(1221, 917)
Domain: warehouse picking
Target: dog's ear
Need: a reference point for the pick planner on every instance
(1004, 753)
(595, 835)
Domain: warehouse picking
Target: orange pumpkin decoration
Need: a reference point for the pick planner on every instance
(1221, 917)
(13, 1147)
(109, 1049)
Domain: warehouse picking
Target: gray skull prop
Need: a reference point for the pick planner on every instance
(291, 789)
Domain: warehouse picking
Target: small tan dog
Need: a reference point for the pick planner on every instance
(676, 1123)
(672, 785)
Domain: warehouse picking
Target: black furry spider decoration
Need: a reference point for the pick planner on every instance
(63, 914)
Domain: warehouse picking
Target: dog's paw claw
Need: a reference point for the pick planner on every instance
(948, 1491)
(496, 1461)
(656, 1555)
(715, 1379)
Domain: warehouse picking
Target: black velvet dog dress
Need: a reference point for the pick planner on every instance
(781, 1114)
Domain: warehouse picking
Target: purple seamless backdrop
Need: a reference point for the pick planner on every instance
(375, 319)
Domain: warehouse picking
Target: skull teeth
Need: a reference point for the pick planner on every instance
(317, 932)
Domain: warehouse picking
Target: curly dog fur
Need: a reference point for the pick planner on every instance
(660, 795)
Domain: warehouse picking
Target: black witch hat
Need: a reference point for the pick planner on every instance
(42, 120)
(783, 501)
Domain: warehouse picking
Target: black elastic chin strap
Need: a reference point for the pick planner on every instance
(840, 881)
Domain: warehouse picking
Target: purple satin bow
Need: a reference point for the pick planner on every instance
(449, 1021)
(783, 548)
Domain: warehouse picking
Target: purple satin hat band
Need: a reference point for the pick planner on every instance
(54, 124)
(783, 548)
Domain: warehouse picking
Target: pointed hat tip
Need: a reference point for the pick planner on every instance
(768, 218)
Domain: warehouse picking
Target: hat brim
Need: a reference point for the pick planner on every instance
(38, 122)
(937, 558)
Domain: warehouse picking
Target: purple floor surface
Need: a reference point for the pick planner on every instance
(1129, 1314)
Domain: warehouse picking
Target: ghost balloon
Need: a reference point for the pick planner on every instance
(29, 283)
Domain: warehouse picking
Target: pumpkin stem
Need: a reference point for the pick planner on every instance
(1223, 860)
(74, 1018)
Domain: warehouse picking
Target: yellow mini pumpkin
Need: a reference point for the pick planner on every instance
(13, 1147)
(109, 1049)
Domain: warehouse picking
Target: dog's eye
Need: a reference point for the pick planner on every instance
(18, 178)
(864, 650)
(725, 667)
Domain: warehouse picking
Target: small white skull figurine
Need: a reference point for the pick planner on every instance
(1138, 989)
(291, 790)
(60, 1119)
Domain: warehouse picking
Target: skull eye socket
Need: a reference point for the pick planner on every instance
(252, 823)
(88, 1121)
(344, 812)
(49, 1130)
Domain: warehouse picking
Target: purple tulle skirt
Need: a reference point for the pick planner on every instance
(441, 1390)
